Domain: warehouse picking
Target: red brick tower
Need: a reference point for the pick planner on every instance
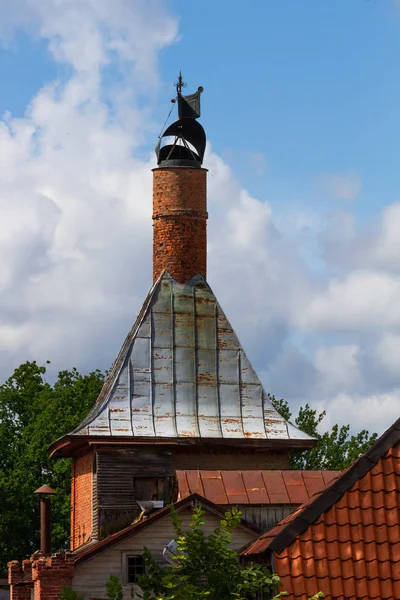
(180, 195)
(180, 221)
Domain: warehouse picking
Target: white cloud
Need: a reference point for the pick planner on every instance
(75, 192)
(359, 300)
(346, 186)
(338, 367)
(388, 352)
(373, 412)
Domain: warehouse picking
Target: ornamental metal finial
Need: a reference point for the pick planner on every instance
(183, 143)
(179, 84)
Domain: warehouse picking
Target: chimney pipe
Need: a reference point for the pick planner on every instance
(44, 494)
(179, 222)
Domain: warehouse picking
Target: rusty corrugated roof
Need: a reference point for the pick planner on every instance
(182, 373)
(254, 487)
(344, 542)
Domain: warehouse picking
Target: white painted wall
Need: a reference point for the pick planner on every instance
(90, 577)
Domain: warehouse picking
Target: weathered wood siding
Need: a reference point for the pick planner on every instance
(266, 517)
(124, 475)
(236, 458)
(90, 577)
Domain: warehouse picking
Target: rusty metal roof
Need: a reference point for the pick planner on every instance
(254, 487)
(182, 373)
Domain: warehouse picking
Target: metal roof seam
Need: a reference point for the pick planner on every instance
(173, 363)
(196, 362)
(185, 377)
(217, 359)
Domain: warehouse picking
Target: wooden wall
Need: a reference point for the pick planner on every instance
(266, 517)
(192, 457)
(124, 475)
(90, 577)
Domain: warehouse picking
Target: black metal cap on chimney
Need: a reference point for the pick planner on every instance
(188, 147)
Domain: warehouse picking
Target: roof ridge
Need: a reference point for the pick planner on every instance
(307, 513)
(120, 359)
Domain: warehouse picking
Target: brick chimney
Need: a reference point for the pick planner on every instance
(180, 222)
(180, 194)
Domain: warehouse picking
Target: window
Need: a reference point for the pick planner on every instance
(135, 567)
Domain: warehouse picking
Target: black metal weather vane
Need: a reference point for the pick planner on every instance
(189, 140)
(179, 84)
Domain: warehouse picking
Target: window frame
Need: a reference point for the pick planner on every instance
(125, 566)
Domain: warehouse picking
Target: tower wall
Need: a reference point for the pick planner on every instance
(179, 222)
(81, 499)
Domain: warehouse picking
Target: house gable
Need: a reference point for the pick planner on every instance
(91, 575)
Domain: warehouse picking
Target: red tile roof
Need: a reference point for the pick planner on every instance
(254, 487)
(346, 540)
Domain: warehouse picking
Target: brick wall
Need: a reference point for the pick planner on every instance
(179, 222)
(22, 577)
(44, 574)
(50, 573)
(81, 499)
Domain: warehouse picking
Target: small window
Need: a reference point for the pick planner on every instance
(135, 566)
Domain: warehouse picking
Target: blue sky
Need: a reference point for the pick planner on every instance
(302, 113)
(313, 87)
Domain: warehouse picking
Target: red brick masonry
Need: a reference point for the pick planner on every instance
(179, 221)
(81, 499)
(45, 574)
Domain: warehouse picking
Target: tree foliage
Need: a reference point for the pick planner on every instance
(336, 449)
(33, 414)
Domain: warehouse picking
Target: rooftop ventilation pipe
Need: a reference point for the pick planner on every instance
(44, 494)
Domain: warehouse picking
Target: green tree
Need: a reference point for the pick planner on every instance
(33, 414)
(336, 449)
(206, 567)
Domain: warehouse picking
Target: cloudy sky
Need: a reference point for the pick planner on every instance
(302, 112)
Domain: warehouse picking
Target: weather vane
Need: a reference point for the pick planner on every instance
(179, 84)
(189, 140)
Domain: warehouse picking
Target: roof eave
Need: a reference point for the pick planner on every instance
(69, 444)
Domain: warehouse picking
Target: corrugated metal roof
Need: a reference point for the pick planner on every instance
(182, 373)
(254, 487)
